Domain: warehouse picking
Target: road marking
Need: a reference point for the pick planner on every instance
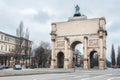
(85, 79)
(113, 78)
(58, 76)
(96, 77)
(81, 76)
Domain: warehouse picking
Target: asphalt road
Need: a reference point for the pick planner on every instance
(110, 74)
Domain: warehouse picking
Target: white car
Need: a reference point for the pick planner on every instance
(17, 67)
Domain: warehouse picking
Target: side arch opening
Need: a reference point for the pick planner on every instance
(94, 59)
(60, 60)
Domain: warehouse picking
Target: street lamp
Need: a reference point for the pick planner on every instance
(74, 59)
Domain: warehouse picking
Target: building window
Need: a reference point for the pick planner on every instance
(5, 47)
(1, 37)
(12, 48)
(9, 48)
(1, 47)
(6, 38)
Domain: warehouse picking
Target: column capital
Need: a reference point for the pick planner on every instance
(85, 59)
(53, 33)
(66, 59)
(53, 40)
(53, 59)
(67, 39)
(85, 37)
(100, 37)
(101, 59)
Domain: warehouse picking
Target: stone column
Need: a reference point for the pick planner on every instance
(101, 58)
(70, 58)
(104, 49)
(66, 60)
(85, 53)
(53, 54)
(101, 47)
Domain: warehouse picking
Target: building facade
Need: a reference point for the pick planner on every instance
(9, 54)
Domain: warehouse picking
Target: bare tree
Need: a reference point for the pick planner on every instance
(42, 54)
(39, 56)
(27, 48)
(113, 56)
(19, 42)
(19, 31)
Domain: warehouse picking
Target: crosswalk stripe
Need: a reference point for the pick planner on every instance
(113, 78)
(96, 77)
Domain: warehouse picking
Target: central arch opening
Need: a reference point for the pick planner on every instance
(77, 48)
(94, 59)
(60, 60)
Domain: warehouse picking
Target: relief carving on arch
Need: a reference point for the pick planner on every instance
(93, 42)
(60, 44)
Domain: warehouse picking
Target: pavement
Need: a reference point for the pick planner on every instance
(11, 72)
(61, 74)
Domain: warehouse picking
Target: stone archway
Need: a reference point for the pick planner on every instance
(77, 53)
(94, 59)
(74, 44)
(90, 32)
(60, 60)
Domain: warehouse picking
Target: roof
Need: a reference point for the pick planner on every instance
(12, 35)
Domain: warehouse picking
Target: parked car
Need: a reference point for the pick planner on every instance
(33, 66)
(115, 66)
(1, 67)
(6, 67)
(17, 67)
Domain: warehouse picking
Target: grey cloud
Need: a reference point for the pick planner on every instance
(57, 10)
(42, 17)
(114, 27)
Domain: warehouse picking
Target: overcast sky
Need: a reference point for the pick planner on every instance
(38, 15)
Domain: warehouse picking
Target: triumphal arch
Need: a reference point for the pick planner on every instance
(78, 29)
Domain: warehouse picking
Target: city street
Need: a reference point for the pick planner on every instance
(109, 74)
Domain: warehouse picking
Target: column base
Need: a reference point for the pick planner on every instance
(85, 63)
(66, 61)
(101, 64)
(53, 64)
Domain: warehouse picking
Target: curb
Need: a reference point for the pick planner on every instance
(32, 74)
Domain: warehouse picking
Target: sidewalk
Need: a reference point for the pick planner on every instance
(11, 72)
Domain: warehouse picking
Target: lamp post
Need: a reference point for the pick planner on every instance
(74, 59)
(74, 63)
